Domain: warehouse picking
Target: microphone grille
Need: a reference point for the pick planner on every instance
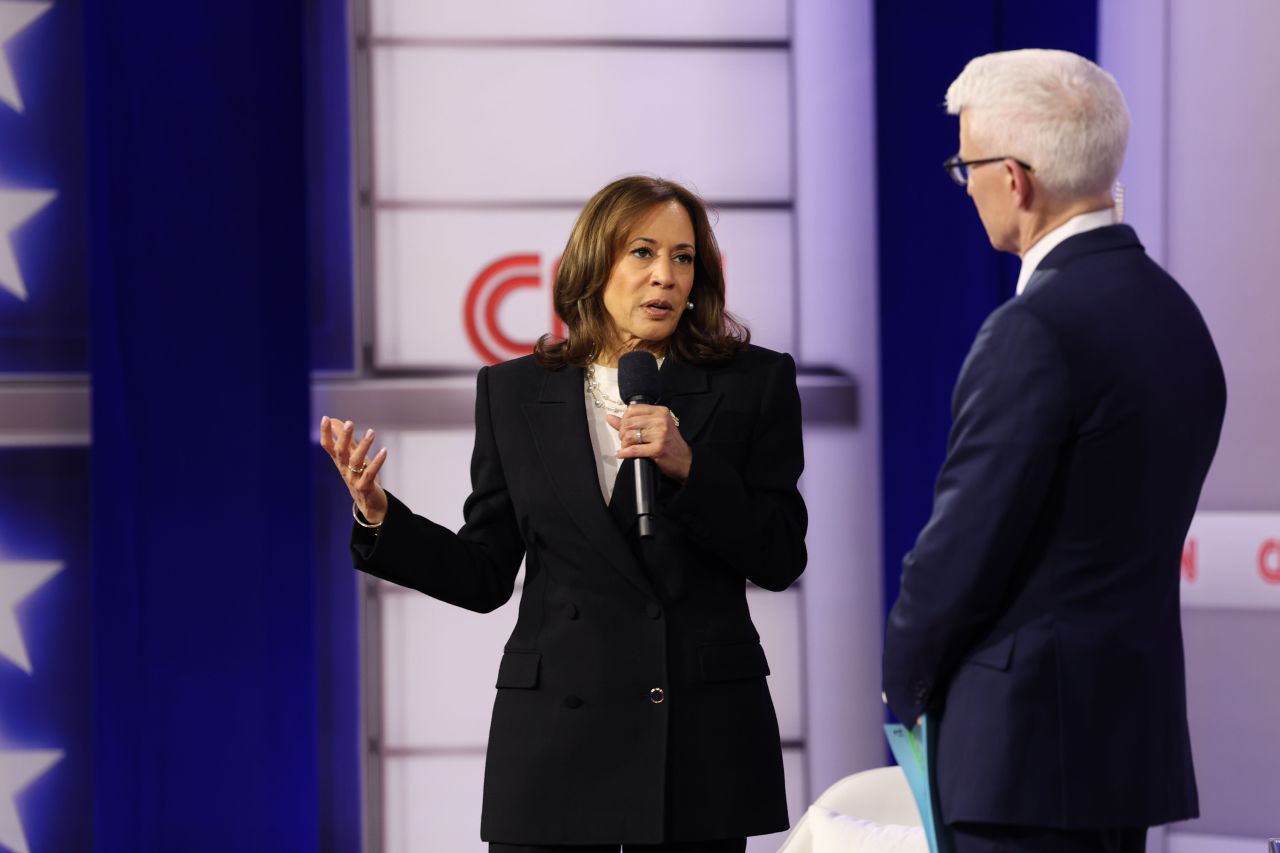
(638, 376)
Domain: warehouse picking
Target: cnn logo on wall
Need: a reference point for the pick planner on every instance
(482, 310)
(1232, 559)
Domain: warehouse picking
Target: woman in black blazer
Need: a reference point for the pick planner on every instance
(631, 708)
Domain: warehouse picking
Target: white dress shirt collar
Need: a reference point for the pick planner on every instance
(1077, 224)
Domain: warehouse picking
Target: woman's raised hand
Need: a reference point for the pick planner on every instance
(358, 471)
(650, 431)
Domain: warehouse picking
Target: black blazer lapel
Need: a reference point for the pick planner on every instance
(686, 391)
(559, 424)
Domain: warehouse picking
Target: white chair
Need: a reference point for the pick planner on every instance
(880, 795)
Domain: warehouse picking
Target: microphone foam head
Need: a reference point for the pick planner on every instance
(638, 377)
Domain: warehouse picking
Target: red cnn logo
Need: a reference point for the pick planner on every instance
(1269, 561)
(494, 284)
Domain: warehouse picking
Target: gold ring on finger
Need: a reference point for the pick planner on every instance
(357, 471)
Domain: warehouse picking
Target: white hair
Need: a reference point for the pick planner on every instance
(1052, 109)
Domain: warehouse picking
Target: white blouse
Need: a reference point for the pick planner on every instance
(605, 440)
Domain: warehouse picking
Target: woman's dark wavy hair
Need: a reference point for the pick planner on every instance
(706, 333)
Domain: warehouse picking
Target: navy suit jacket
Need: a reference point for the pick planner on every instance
(580, 751)
(1039, 612)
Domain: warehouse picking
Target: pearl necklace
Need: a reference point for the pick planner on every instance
(613, 405)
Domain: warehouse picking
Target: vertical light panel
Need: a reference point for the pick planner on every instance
(439, 664)
(1201, 170)
(1222, 248)
(1222, 244)
(1133, 45)
(838, 273)
(843, 610)
(437, 669)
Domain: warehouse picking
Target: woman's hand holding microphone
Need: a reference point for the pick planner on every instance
(650, 431)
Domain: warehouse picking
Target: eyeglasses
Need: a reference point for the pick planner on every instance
(959, 169)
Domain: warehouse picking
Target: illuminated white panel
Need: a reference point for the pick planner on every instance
(432, 803)
(670, 20)
(431, 472)
(532, 124)
(760, 274)
(843, 606)
(430, 261)
(439, 664)
(438, 661)
(777, 617)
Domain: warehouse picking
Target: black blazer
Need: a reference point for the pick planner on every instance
(1039, 610)
(581, 750)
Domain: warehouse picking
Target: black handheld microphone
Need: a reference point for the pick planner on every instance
(638, 383)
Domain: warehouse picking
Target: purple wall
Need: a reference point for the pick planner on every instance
(1201, 182)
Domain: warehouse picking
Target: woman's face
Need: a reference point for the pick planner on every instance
(651, 280)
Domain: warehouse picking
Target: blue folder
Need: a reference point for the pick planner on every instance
(911, 749)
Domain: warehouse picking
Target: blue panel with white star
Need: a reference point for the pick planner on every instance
(45, 722)
(43, 244)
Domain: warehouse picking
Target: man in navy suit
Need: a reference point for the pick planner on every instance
(1038, 620)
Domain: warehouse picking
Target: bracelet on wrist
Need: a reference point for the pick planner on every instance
(361, 520)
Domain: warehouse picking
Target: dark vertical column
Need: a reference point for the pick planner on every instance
(330, 208)
(330, 185)
(939, 276)
(204, 690)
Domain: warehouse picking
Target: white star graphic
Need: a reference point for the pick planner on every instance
(16, 207)
(18, 769)
(14, 18)
(17, 581)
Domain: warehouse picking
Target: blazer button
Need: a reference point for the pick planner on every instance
(656, 696)
(653, 611)
(571, 611)
(572, 702)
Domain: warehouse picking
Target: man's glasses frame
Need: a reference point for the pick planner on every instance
(959, 169)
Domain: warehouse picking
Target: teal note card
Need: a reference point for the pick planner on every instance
(911, 750)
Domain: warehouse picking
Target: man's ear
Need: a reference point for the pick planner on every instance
(1020, 184)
